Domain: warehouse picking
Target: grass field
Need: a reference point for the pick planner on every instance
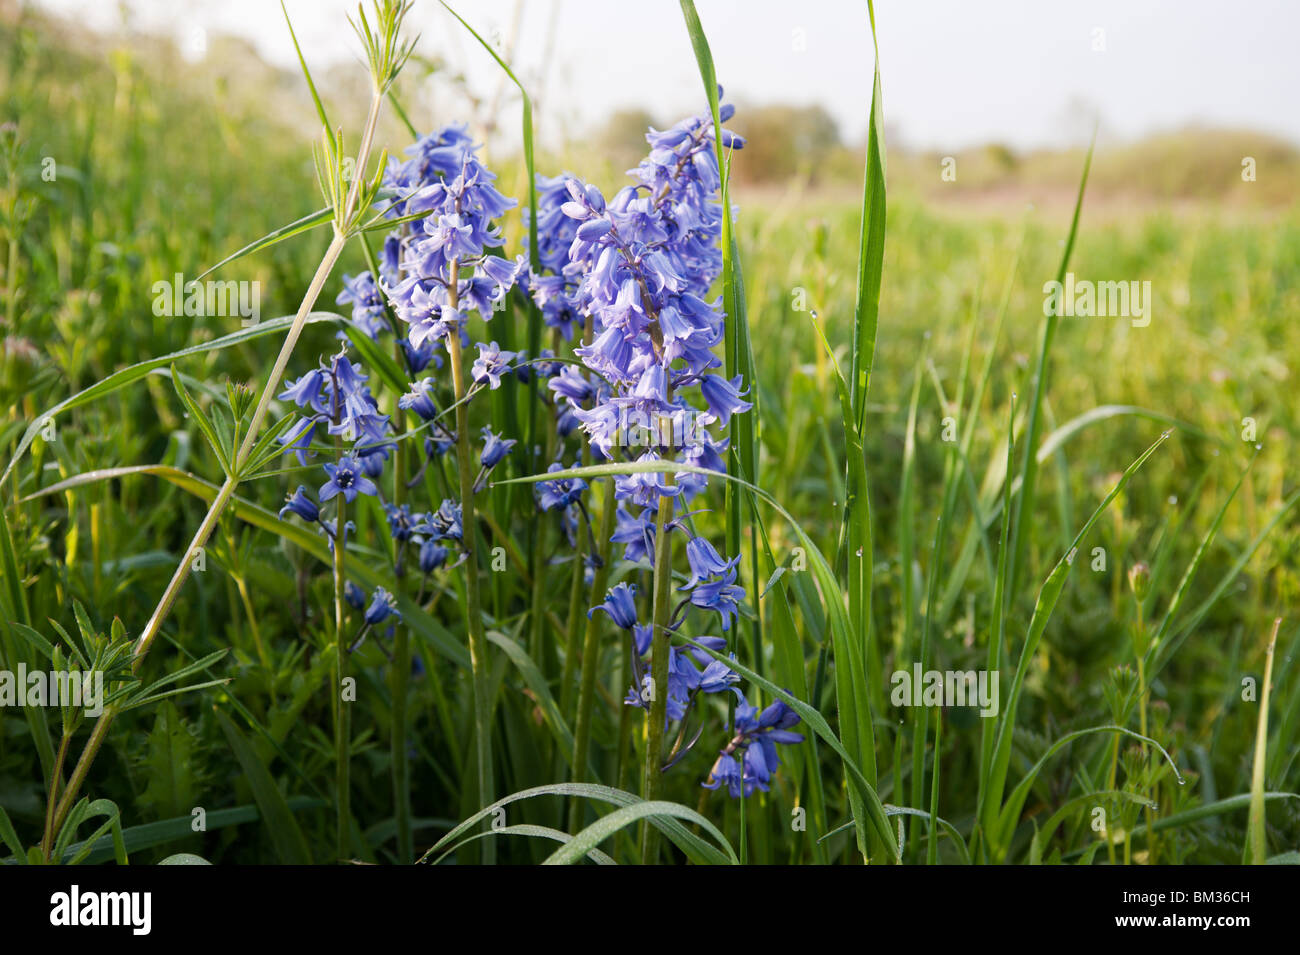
(1135, 722)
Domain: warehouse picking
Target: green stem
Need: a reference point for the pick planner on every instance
(55, 778)
(473, 613)
(401, 670)
(663, 575)
(590, 652)
(342, 721)
(11, 287)
(571, 627)
(1142, 723)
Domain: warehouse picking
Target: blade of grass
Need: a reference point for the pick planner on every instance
(1048, 596)
(1029, 467)
(1256, 849)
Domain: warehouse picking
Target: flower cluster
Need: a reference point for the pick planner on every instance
(452, 193)
(633, 276)
(555, 285)
(335, 396)
(749, 760)
(641, 267)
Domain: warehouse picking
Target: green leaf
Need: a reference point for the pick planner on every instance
(696, 849)
(287, 838)
(362, 572)
(871, 246)
(152, 834)
(1022, 519)
(1048, 595)
(133, 373)
(1256, 850)
(302, 62)
(536, 832)
(297, 227)
(219, 447)
(600, 830)
(1016, 801)
(10, 838)
(537, 683)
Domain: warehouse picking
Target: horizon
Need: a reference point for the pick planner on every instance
(938, 50)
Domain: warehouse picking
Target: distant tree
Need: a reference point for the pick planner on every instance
(785, 141)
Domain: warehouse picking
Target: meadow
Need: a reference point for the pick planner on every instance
(934, 476)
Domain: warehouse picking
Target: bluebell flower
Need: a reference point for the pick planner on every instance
(308, 392)
(726, 771)
(444, 523)
(420, 400)
(302, 505)
(356, 413)
(348, 479)
(298, 438)
(491, 364)
(400, 522)
(620, 604)
(713, 643)
(368, 310)
(560, 493)
(572, 385)
(372, 458)
(354, 595)
(382, 606)
(723, 396)
(432, 556)
(721, 595)
(446, 184)
(755, 742)
(418, 358)
(642, 637)
(705, 561)
(495, 448)
(635, 532)
(335, 396)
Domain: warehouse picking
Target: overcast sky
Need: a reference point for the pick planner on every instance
(955, 72)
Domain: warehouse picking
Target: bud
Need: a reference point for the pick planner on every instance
(1139, 579)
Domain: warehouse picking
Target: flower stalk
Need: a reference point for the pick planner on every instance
(663, 575)
(473, 611)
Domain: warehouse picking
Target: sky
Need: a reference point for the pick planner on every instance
(955, 73)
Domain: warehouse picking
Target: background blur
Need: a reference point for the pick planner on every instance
(1180, 92)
